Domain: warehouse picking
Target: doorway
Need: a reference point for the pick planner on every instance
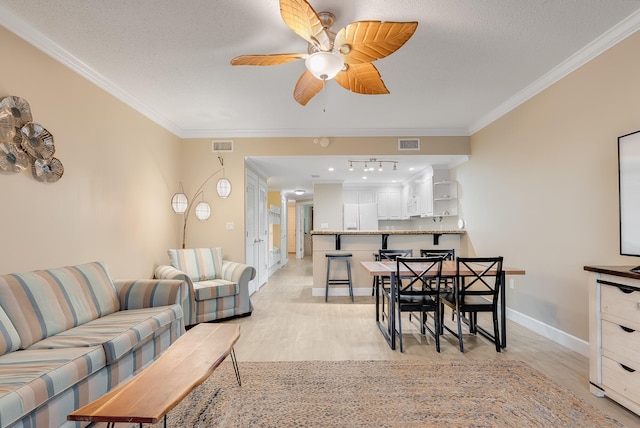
(256, 229)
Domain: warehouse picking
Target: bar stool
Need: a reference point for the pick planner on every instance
(338, 256)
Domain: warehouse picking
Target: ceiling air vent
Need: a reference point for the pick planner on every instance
(222, 146)
(408, 144)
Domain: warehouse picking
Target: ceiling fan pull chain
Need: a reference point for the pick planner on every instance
(324, 82)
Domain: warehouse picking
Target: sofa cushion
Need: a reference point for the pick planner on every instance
(9, 338)
(30, 378)
(214, 288)
(200, 264)
(46, 302)
(119, 333)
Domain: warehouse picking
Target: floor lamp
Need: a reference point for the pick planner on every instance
(181, 204)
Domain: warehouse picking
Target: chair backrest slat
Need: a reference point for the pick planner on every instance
(479, 276)
(445, 254)
(389, 254)
(418, 275)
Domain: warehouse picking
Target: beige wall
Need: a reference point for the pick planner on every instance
(198, 162)
(327, 201)
(541, 187)
(112, 203)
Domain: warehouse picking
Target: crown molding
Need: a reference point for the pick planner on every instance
(334, 132)
(31, 35)
(610, 38)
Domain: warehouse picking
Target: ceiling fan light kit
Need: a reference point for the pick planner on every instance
(324, 65)
(345, 56)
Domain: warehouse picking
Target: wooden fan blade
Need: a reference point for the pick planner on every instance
(273, 59)
(366, 41)
(362, 79)
(304, 21)
(306, 88)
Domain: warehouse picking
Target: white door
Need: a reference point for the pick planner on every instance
(299, 231)
(284, 221)
(263, 234)
(251, 239)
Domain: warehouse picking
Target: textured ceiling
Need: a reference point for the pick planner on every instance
(468, 61)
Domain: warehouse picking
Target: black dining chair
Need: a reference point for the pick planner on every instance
(445, 254)
(387, 255)
(477, 288)
(417, 290)
(447, 283)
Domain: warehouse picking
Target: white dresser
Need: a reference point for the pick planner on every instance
(614, 334)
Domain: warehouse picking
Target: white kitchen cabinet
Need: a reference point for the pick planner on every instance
(389, 204)
(413, 205)
(383, 204)
(359, 196)
(426, 198)
(404, 203)
(367, 196)
(350, 196)
(394, 206)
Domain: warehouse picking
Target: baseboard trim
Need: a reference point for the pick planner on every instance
(565, 339)
(558, 336)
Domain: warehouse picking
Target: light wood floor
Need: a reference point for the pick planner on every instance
(289, 324)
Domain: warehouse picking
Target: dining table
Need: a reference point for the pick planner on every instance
(449, 270)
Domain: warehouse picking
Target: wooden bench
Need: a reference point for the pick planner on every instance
(151, 394)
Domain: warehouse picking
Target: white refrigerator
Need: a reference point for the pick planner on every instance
(360, 217)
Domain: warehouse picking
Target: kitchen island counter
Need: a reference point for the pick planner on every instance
(386, 233)
(364, 244)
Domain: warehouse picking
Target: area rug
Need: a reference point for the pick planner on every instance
(453, 393)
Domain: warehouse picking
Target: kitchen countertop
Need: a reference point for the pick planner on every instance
(389, 232)
(386, 233)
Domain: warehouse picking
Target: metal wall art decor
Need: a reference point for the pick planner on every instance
(24, 142)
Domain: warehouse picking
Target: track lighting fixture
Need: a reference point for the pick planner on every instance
(373, 161)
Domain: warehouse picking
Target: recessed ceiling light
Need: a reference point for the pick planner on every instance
(364, 177)
(411, 168)
(331, 168)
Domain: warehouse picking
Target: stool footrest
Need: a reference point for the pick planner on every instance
(340, 281)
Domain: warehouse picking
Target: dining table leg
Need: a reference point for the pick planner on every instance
(503, 311)
(392, 310)
(377, 294)
(388, 330)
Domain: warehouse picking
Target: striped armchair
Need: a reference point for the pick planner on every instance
(217, 288)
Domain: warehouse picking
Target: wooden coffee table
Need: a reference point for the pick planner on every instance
(151, 394)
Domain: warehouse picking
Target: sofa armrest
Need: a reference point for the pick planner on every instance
(241, 274)
(237, 272)
(146, 293)
(188, 297)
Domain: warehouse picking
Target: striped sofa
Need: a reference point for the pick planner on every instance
(70, 334)
(217, 288)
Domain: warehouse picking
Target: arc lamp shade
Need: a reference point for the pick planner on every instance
(179, 203)
(203, 211)
(223, 187)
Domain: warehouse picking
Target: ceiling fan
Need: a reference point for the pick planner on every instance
(346, 56)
